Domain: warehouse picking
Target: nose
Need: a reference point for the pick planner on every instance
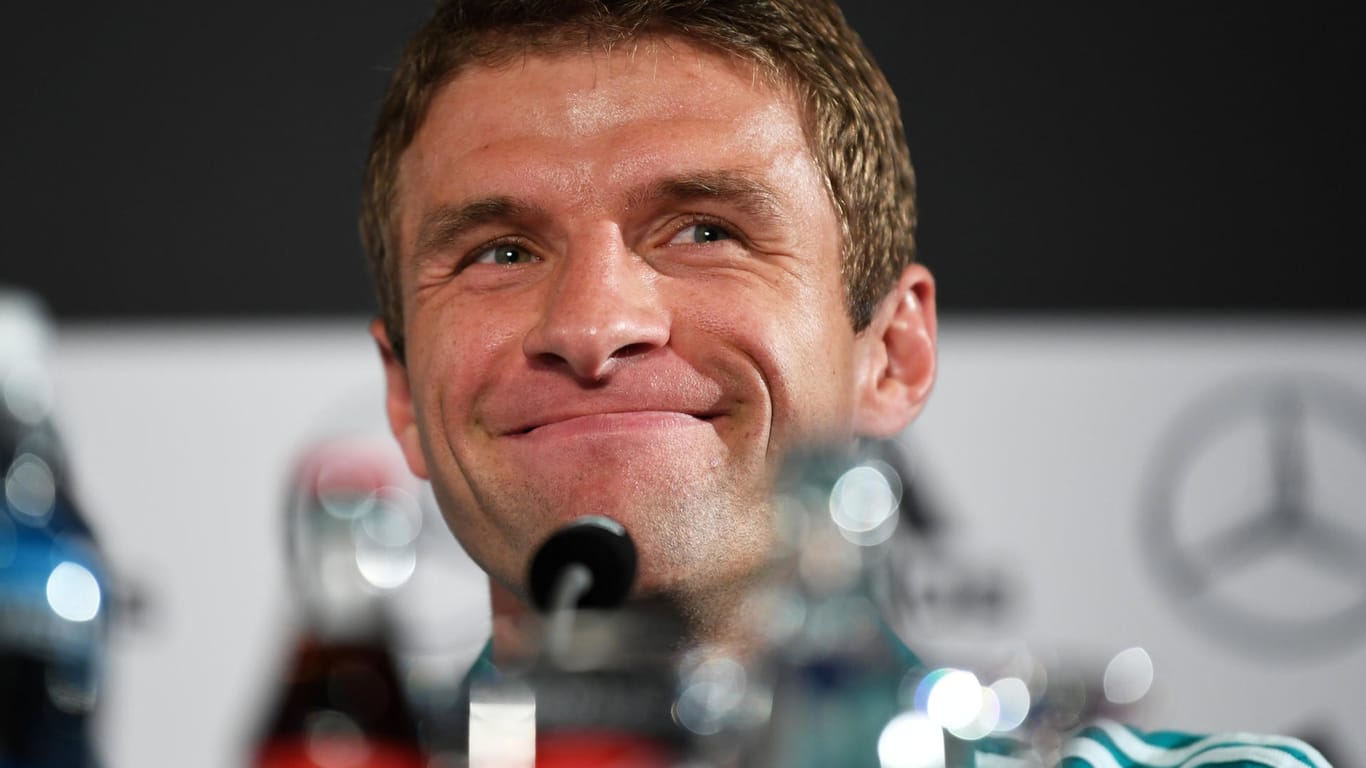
(601, 307)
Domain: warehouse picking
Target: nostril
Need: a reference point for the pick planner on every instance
(588, 338)
(631, 350)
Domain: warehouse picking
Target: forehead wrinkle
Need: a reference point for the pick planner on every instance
(592, 108)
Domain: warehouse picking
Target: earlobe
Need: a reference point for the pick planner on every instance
(398, 401)
(898, 357)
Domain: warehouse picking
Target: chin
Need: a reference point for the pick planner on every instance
(697, 564)
(694, 533)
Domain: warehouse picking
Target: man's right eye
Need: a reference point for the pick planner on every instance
(503, 253)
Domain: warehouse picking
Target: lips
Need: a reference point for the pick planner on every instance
(658, 391)
(584, 420)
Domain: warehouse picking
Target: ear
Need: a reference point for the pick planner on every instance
(897, 349)
(399, 402)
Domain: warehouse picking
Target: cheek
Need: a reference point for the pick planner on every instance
(810, 356)
(464, 350)
(791, 350)
(814, 378)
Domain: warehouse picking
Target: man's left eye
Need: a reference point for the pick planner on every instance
(700, 233)
(505, 253)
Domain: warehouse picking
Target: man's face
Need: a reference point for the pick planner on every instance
(622, 293)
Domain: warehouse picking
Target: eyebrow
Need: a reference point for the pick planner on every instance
(750, 195)
(445, 224)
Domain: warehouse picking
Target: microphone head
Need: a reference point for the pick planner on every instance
(597, 543)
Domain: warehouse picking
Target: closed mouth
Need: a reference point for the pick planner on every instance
(616, 417)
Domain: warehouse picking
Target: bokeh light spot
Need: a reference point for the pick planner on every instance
(73, 592)
(955, 700)
(30, 489)
(988, 717)
(395, 518)
(911, 740)
(334, 740)
(1012, 694)
(923, 688)
(27, 393)
(710, 693)
(1128, 676)
(863, 503)
(385, 567)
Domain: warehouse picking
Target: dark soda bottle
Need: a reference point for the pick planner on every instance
(54, 607)
(350, 534)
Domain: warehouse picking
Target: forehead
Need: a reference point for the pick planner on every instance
(593, 116)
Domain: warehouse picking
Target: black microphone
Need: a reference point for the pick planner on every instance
(589, 563)
(604, 678)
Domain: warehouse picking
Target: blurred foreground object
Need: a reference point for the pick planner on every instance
(53, 580)
(352, 525)
(836, 667)
(591, 681)
(845, 689)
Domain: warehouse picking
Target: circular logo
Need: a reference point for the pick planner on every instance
(1256, 514)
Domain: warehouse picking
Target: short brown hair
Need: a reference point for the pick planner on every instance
(852, 121)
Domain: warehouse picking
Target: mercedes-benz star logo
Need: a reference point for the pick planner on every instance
(1255, 511)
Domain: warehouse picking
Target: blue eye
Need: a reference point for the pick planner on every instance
(701, 233)
(505, 253)
(708, 233)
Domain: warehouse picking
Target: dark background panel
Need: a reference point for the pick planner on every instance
(167, 158)
(1132, 156)
(164, 159)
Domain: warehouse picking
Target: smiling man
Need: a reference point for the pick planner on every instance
(631, 255)
(617, 279)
